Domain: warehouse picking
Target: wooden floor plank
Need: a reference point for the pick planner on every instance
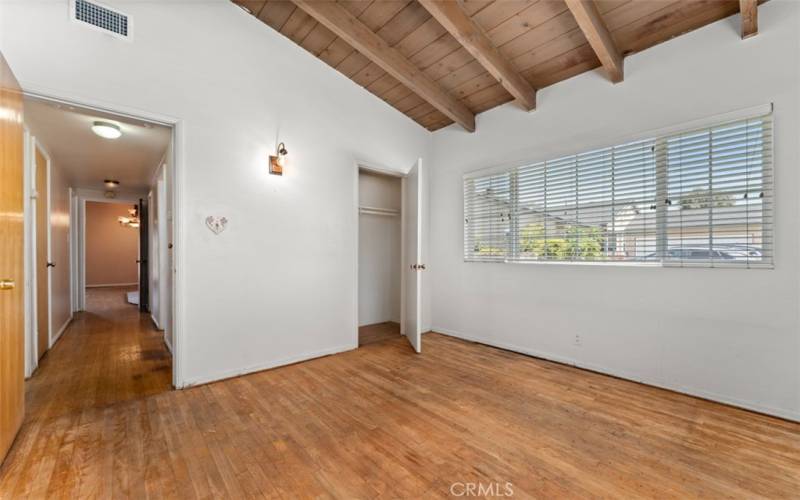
(378, 332)
(376, 422)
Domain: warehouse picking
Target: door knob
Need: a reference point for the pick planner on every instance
(7, 284)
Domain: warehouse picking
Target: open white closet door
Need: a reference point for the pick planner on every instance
(413, 266)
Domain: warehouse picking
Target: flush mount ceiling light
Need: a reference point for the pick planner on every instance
(111, 183)
(106, 130)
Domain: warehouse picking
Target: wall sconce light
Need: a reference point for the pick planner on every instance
(276, 162)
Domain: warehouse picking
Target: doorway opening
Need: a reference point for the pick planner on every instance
(379, 256)
(388, 260)
(112, 249)
(100, 238)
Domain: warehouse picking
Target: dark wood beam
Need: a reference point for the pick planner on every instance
(451, 15)
(749, 11)
(596, 32)
(347, 27)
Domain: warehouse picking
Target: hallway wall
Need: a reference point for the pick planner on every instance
(111, 249)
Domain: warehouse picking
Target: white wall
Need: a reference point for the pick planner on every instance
(379, 250)
(237, 87)
(729, 335)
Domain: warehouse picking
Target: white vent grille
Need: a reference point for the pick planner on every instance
(102, 18)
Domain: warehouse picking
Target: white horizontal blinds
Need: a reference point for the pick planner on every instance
(635, 205)
(595, 206)
(561, 208)
(719, 195)
(695, 198)
(487, 217)
(531, 200)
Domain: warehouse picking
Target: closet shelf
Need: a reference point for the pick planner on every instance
(390, 212)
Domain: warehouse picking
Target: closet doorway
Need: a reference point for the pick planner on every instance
(390, 262)
(380, 201)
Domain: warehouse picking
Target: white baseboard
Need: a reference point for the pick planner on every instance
(168, 343)
(690, 391)
(60, 332)
(236, 372)
(155, 322)
(111, 284)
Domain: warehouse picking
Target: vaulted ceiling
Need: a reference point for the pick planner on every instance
(441, 62)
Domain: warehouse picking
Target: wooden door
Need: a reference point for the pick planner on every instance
(12, 336)
(42, 266)
(144, 251)
(412, 207)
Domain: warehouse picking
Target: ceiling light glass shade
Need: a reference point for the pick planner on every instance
(106, 130)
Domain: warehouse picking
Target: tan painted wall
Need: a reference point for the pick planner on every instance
(111, 249)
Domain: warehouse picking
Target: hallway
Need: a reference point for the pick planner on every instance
(109, 354)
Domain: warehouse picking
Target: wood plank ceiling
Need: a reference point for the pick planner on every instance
(543, 41)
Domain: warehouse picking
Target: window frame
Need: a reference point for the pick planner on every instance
(660, 138)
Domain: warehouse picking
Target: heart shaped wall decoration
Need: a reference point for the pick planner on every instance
(216, 223)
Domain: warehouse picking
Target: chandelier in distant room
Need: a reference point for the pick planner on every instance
(133, 218)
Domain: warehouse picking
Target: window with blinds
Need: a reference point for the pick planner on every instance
(696, 198)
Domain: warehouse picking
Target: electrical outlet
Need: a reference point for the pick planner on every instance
(577, 339)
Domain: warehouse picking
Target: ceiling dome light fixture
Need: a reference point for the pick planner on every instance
(106, 130)
(111, 183)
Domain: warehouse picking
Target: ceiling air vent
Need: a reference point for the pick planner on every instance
(102, 18)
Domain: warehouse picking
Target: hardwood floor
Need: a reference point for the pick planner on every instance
(384, 422)
(369, 334)
(109, 354)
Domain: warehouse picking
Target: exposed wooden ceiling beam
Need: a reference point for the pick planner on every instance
(337, 19)
(451, 15)
(749, 10)
(596, 32)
